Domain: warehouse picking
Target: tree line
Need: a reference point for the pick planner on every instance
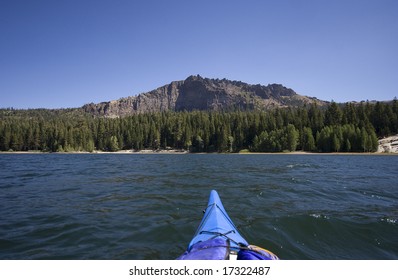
(350, 127)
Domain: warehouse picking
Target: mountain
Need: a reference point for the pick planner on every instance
(197, 93)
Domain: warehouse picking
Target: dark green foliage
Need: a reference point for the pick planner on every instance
(308, 141)
(333, 114)
(284, 139)
(337, 128)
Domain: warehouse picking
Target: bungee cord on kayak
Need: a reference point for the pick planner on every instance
(216, 234)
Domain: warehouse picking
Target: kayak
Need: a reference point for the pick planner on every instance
(217, 238)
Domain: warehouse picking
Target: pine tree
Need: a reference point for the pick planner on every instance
(333, 115)
(113, 144)
(292, 137)
(316, 119)
(308, 140)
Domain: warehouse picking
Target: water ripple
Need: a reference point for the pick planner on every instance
(149, 206)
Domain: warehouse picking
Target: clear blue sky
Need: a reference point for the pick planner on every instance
(56, 54)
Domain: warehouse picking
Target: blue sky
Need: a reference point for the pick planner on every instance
(58, 54)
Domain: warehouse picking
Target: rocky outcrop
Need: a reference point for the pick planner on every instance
(197, 93)
(388, 145)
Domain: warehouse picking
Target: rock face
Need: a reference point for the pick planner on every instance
(388, 145)
(197, 93)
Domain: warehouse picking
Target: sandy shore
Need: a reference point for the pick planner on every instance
(323, 154)
(129, 152)
(183, 152)
(144, 152)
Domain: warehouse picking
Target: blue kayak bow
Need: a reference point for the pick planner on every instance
(217, 223)
(218, 239)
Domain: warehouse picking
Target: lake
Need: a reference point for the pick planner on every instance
(148, 206)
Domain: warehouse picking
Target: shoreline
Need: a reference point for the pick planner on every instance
(184, 152)
(387, 146)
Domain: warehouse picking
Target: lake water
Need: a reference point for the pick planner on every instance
(113, 206)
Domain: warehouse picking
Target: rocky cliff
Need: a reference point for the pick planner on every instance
(388, 145)
(197, 93)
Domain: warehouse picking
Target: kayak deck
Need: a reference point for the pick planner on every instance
(217, 238)
(217, 223)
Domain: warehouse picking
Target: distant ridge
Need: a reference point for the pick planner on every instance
(198, 93)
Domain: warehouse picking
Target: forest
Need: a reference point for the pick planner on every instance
(349, 127)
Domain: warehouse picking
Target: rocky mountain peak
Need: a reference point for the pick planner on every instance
(198, 93)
